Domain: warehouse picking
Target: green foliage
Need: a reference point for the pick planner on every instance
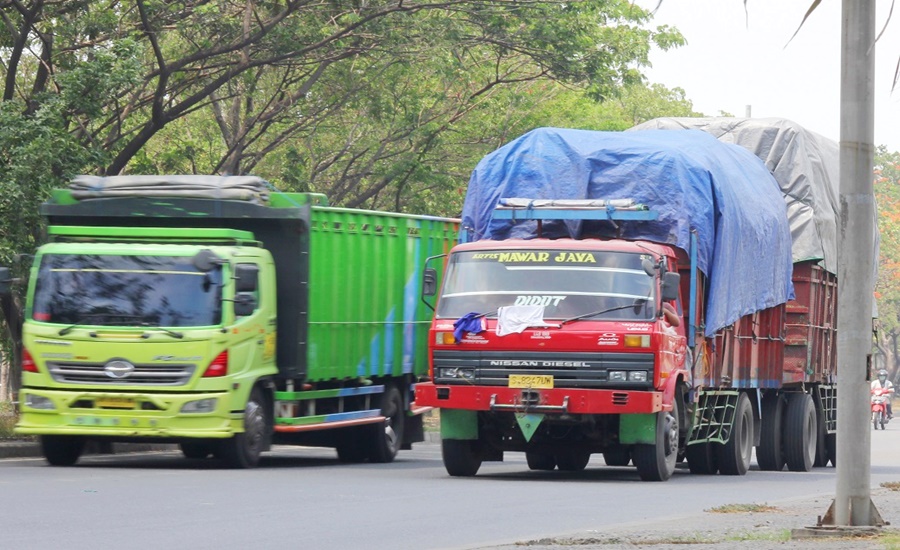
(887, 195)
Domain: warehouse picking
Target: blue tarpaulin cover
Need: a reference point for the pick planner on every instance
(695, 182)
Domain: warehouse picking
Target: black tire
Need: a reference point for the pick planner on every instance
(734, 456)
(196, 449)
(821, 441)
(243, 449)
(831, 443)
(461, 457)
(769, 452)
(617, 456)
(800, 432)
(572, 460)
(878, 418)
(540, 461)
(388, 435)
(351, 447)
(62, 450)
(701, 458)
(656, 461)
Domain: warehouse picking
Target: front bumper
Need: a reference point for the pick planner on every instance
(556, 400)
(156, 415)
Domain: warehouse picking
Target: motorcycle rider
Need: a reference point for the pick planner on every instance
(884, 383)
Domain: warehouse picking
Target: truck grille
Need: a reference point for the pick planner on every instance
(570, 370)
(142, 375)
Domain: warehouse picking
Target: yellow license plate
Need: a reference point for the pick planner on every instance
(115, 403)
(541, 381)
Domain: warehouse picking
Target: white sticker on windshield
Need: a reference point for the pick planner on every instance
(538, 300)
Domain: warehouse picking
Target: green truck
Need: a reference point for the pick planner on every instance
(209, 312)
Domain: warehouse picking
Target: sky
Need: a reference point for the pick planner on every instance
(734, 59)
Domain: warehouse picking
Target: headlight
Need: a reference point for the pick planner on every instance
(199, 406)
(456, 373)
(617, 376)
(637, 376)
(38, 402)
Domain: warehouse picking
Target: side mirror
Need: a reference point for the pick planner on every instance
(4, 281)
(669, 288)
(206, 260)
(244, 304)
(246, 277)
(429, 282)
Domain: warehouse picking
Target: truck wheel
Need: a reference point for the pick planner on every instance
(540, 461)
(243, 449)
(388, 435)
(196, 449)
(461, 457)
(800, 432)
(62, 450)
(617, 456)
(656, 462)
(821, 441)
(701, 459)
(734, 456)
(572, 460)
(831, 443)
(769, 453)
(351, 446)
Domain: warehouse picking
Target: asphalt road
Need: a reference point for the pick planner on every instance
(301, 497)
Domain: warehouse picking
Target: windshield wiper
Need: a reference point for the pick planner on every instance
(81, 320)
(171, 333)
(637, 302)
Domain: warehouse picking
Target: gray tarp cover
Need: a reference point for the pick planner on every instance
(804, 164)
(242, 188)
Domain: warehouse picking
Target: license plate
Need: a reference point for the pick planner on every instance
(115, 403)
(541, 381)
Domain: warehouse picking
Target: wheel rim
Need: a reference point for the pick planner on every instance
(671, 442)
(746, 439)
(390, 436)
(392, 418)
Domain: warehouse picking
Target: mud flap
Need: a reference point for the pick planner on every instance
(529, 423)
(637, 429)
(459, 424)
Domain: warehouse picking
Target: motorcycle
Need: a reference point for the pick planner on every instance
(880, 397)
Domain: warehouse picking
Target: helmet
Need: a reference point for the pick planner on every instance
(882, 373)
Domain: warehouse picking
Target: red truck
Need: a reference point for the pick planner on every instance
(642, 303)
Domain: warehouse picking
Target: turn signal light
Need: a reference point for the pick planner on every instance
(218, 367)
(28, 364)
(637, 340)
(445, 338)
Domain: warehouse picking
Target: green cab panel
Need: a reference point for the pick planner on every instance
(459, 424)
(637, 429)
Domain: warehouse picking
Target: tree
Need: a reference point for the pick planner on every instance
(367, 102)
(887, 287)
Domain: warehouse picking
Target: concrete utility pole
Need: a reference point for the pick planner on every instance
(852, 505)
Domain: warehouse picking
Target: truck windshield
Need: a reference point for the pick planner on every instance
(568, 283)
(126, 291)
